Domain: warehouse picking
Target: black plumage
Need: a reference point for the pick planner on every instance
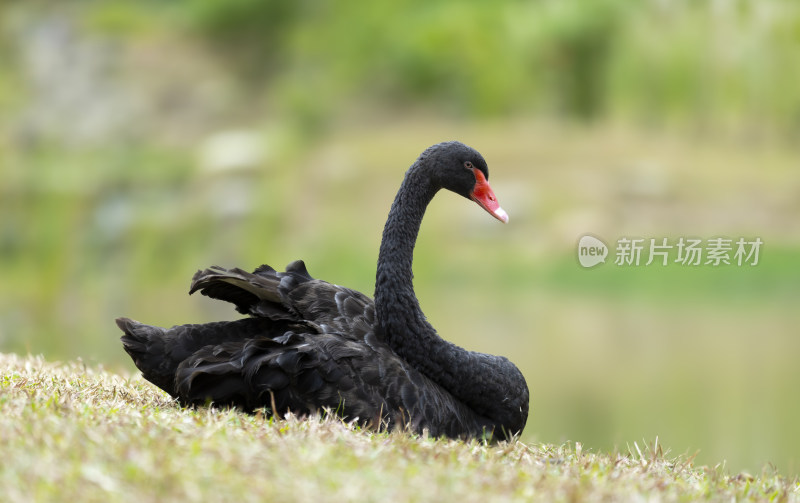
(308, 345)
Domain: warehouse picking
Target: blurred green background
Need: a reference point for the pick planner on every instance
(144, 139)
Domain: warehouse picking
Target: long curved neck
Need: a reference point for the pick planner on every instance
(490, 385)
(396, 305)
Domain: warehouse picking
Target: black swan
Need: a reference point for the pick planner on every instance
(310, 346)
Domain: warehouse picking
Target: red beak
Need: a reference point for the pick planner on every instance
(484, 196)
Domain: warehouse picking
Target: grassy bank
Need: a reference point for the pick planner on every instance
(69, 432)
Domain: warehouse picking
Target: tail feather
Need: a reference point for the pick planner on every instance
(147, 346)
(158, 352)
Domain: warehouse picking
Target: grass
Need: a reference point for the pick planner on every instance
(72, 432)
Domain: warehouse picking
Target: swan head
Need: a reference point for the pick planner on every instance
(463, 170)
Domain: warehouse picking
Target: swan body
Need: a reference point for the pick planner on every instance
(308, 345)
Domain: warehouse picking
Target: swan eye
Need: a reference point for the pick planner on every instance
(468, 165)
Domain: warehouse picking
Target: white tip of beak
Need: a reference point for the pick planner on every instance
(501, 214)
